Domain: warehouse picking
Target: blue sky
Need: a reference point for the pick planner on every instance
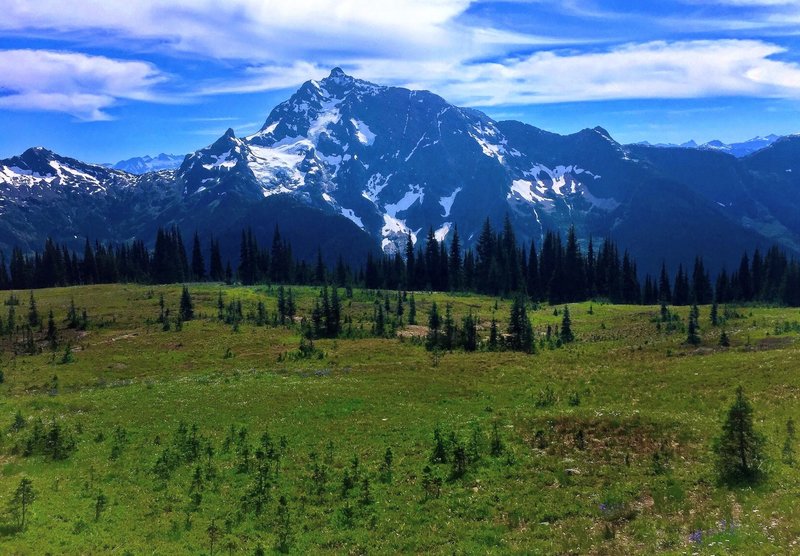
(102, 81)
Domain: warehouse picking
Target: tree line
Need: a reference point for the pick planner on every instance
(557, 271)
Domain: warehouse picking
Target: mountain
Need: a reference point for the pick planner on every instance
(738, 150)
(352, 166)
(144, 164)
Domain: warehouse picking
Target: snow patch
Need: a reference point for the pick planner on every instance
(363, 133)
(375, 184)
(442, 232)
(447, 202)
(348, 213)
(414, 194)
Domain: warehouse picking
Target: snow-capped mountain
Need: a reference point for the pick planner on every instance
(736, 149)
(395, 162)
(147, 163)
(349, 165)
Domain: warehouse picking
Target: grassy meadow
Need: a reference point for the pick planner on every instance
(602, 446)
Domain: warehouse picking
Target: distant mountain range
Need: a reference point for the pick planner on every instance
(352, 166)
(144, 164)
(736, 149)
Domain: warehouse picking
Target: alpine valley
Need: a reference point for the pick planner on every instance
(350, 167)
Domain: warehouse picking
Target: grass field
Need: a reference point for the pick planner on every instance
(606, 443)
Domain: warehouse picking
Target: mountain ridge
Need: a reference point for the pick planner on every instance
(387, 163)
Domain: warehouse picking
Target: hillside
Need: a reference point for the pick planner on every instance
(602, 446)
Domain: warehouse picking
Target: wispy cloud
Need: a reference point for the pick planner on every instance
(259, 46)
(81, 85)
(687, 69)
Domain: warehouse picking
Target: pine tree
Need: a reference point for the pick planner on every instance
(739, 448)
(216, 270)
(198, 264)
(282, 310)
(187, 307)
(449, 333)
(664, 289)
(213, 532)
(454, 262)
(692, 336)
(494, 339)
(33, 313)
(283, 526)
(566, 327)
(412, 310)
(469, 333)
(724, 341)
(434, 325)
(21, 502)
(52, 334)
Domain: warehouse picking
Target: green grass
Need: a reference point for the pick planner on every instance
(572, 478)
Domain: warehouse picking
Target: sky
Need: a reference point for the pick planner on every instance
(108, 80)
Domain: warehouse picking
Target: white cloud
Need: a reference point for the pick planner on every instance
(277, 31)
(70, 82)
(255, 45)
(688, 69)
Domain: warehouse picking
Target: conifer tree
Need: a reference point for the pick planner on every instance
(412, 310)
(739, 449)
(566, 327)
(187, 307)
(33, 313)
(434, 325)
(52, 334)
(692, 336)
(283, 526)
(469, 333)
(198, 264)
(216, 270)
(494, 340)
(21, 502)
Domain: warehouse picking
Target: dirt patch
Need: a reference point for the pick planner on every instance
(773, 342)
(413, 331)
(563, 435)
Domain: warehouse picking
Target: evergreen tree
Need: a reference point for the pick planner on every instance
(283, 526)
(519, 327)
(33, 313)
(469, 331)
(412, 310)
(187, 307)
(198, 264)
(494, 340)
(52, 334)
(216, 270)
(692, 336)
(434, 325)
(739, 449)
(454, 262)
(21, 502)
(566, 327)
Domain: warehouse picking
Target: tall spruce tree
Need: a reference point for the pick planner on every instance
(739, 449)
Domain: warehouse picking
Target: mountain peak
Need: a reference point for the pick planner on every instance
(337, 76)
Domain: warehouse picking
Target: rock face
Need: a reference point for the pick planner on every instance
(348, 164)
